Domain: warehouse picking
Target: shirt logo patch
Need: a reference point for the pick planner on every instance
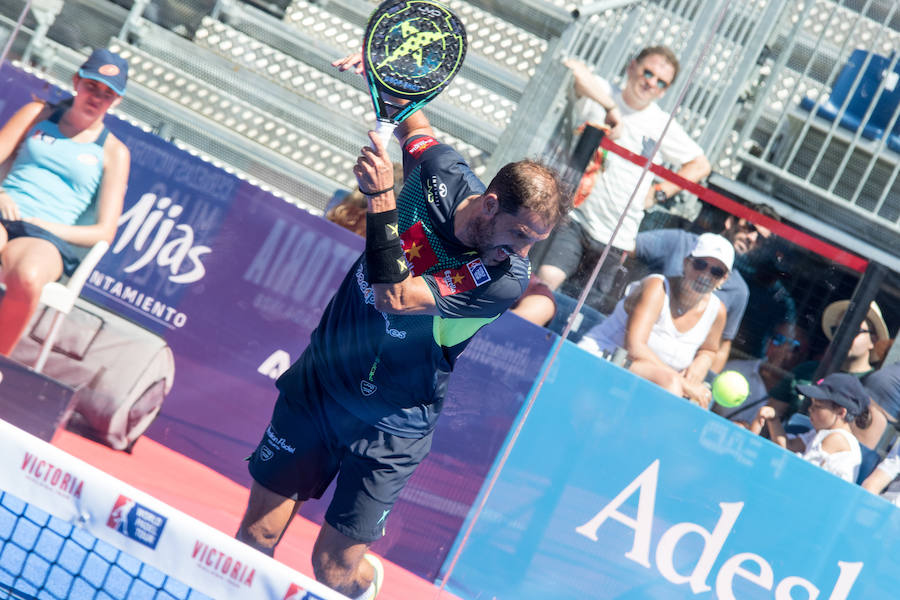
(419, 255)
(462, 279)
(416, 148)
(367, 387)
(435, 187)
(43, 136)
(88, 159)
(478, 271)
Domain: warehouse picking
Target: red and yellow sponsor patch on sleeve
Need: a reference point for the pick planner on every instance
(462, 279)
(419, 255)
(420, 145)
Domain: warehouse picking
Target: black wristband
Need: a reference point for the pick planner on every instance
(385, 258)
(382, 229)
(384, 191)
(387, 265)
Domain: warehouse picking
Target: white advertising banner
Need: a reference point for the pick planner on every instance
(149, 530)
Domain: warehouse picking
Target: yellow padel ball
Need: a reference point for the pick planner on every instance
(730, 388)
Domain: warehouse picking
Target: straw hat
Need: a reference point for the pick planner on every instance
(834, 312)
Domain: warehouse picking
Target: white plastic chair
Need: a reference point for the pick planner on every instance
(61, 298)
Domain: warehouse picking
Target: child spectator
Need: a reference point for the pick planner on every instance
(836, 400)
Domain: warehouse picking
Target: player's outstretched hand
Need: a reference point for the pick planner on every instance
(353, 61)
(374, 172)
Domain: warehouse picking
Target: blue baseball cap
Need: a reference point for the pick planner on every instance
(843, 389)
(106, 67)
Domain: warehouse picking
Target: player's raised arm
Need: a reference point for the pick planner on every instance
(395, 291)
(416, 124)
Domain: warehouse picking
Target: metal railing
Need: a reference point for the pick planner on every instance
(824, 124)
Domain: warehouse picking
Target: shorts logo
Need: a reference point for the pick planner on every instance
(367, 387)
(265, 453)
(478, 271)
(277, 443)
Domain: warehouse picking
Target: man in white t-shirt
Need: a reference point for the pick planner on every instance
(637, 122)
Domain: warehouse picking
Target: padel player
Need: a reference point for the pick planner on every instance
(444, 259)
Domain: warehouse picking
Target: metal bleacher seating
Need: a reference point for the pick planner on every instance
(862, 97)
(818, 130)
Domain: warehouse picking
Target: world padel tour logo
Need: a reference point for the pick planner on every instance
(297, 592)
(413, 46)
(136, 521)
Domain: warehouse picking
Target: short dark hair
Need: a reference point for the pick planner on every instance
(663, 51)
(532, 185)
(765, 210)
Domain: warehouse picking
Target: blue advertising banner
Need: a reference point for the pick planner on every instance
(616, 489)
(209, 291)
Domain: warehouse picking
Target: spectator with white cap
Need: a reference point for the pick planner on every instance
(671, 326)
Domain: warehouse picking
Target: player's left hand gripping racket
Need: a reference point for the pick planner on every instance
(411, 51)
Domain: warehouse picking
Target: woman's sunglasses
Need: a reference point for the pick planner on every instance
(701, 264)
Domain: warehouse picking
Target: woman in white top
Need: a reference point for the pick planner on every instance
(835, 401)
(671, 327)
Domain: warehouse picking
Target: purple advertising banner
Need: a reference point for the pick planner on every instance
(209, 291)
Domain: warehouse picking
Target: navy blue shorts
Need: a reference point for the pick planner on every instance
(17, 229)
(312, 438)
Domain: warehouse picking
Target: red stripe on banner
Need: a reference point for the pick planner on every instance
(800, 238)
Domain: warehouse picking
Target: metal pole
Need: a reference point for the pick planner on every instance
(14, 32)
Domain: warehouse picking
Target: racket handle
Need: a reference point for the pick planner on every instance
(385, 130)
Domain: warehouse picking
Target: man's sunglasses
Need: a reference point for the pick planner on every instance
(661, 84)
(701, 264)
(780, 339)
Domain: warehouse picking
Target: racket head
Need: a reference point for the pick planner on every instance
(412, 49)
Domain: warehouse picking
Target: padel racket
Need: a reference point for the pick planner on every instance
(411, 50)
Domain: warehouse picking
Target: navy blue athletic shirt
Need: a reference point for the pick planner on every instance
(391, 370)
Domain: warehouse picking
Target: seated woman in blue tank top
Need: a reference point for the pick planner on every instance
(63, 160)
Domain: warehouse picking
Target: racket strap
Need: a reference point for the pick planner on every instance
(385, 258)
